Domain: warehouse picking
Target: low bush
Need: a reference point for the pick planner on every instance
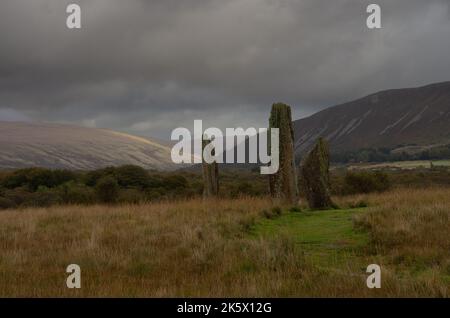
(33, 178)
(366, 182)
(76, 193)
(43, 197)
(107, 189)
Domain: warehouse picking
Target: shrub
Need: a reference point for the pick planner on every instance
(15, 179)
(174, 182)
(107, 189)
(39, 177)
(62, 176)
(75, 193)
(366, 182)
(43, 197)
(18, 195)
(127, 176)
(33, 178)
(92, 177)
(130, 176)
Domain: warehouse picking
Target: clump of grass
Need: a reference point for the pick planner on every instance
(247, 223)
(272, 213)
(359, 204)
(354, 201)
(276, 210)
(267, 214)
(295, 209)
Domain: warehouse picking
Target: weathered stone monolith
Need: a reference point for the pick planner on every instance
(210, 175)
(283, 184)
(316, 177)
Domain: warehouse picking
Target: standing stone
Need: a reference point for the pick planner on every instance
(210, 175)
(283, 184)
(316, 177)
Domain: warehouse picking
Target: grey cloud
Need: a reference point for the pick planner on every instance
(147, 67)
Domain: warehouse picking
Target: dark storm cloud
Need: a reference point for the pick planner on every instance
(147, 67)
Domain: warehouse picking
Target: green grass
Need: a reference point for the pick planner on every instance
(326, 238)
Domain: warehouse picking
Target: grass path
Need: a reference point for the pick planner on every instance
(328, 238)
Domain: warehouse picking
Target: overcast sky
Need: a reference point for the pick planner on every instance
(147, 67)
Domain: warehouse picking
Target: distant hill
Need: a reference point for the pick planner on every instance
(402, 119)
(71, 147)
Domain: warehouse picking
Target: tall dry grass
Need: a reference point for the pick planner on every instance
(411, 229)
(195, 248)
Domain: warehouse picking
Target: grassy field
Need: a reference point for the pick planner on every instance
(241, 247)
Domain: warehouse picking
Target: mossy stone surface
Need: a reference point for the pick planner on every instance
(283, 184)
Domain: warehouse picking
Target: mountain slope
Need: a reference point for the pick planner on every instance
(71, 147)
(391, 119)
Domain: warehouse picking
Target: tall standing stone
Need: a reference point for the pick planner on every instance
(316, 177)
(210, 175)
(283, 184)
